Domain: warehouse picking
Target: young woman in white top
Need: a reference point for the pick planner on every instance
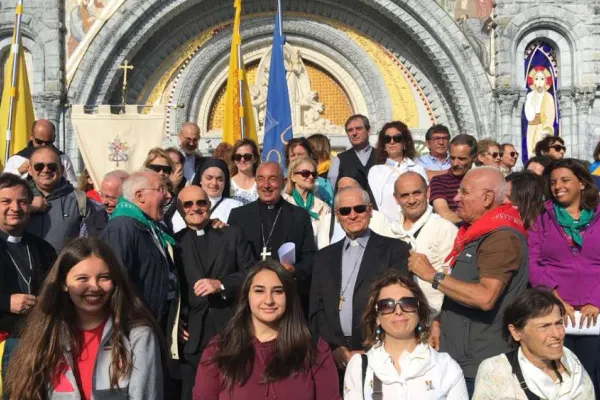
(394, 155)
(214, 179)
(246, 158)
(300, 188)
(401, 365)
(540, 366)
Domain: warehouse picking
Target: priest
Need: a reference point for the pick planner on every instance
(271, 221)
(25, 259)
(212, 264)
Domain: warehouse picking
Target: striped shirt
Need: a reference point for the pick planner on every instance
(445, 187)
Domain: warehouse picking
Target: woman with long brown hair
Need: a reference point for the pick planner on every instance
(88, 336)
(246, 159)
(266, 350)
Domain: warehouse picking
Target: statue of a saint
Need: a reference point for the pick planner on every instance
(540, 108)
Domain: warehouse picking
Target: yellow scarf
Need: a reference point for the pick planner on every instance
(323, 167)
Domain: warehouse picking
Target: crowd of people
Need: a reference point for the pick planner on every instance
(373, 274)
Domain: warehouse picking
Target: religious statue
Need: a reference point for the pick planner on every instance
(540, 107)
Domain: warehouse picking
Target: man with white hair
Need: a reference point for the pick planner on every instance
(110, 191)
(139, 241)
(488, 266)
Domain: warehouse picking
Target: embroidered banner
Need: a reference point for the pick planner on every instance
(116, 141)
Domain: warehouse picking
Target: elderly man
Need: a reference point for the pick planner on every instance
(271, 221)
(24, 258)
(110, 191)
(43, 133)
(137, 238)
(58, 209)
(189, 138)
(443, 188)
(437, 162)
(212, 264)
(344, 272)
(489, 271)
(426, 232)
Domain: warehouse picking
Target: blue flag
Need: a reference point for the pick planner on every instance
(278, 118)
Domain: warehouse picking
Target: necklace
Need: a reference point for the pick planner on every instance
(27, 281)
(266, 253)
(345, 287)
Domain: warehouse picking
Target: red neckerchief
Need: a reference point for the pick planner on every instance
(504, 216)
(3, 336)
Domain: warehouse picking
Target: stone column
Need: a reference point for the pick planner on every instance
(583, 97)
(48, 105)
(565, 106)
(507, 100)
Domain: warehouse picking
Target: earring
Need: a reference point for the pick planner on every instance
(378, 334)
(419, 329)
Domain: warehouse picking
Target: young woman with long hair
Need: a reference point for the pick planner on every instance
(266, 350)
(88, 336)
(527, 191)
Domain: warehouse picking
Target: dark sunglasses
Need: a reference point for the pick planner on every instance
(558, 147)
(39, 167)
(41, 142)
(166, 169)
(514, 154)
(306, 173)
(396, 138)
(388, 306)
(200, 203)
(238, 157)
(495, 154)
(345, 211)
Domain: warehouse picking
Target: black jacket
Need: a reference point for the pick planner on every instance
(381, 254)
(96, 223)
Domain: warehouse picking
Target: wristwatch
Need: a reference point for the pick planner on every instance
(437, 278)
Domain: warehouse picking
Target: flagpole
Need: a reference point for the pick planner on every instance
(241, 81)
(15, 48)
(280, 17)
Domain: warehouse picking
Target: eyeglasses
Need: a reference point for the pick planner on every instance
(41, 142)
(558, 147)
(200, 203)
(161, 189)
(396, 138)
(388, 306)
(345, 211)
(440, 139)
(105, 196)
(306, 173)
(514, 154)
(189, 139)
(39, 167)
(166, 169)
(238, 157)
(495, 154)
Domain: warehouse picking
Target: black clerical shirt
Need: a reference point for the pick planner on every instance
(270, 214)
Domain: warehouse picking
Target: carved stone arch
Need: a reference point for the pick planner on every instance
(36, 80)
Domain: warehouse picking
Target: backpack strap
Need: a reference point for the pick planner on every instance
(377, 385)
(513, 360)
(364, 365)
(81, 202)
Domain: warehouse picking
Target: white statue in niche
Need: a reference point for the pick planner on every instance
(305, 109)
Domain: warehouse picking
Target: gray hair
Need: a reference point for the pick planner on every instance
(365, 195)
(117, 175)
(495, 181)
(136, 181)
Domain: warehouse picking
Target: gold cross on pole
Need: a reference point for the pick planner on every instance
(125, 67)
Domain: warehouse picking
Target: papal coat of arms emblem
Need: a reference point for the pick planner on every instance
(118, 151)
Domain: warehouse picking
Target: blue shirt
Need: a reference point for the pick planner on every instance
(432, 163)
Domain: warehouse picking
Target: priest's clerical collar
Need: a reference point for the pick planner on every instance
(271, 206)
(10, 238)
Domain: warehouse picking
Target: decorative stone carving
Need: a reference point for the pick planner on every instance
(583, 96)
(508, 98)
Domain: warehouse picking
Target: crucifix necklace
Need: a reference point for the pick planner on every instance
(266, 253)
(27, 281)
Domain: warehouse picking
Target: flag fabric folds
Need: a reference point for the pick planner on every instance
(232, 125)
(23, 116)
(278, 118)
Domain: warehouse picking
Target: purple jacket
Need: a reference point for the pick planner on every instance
(574, 272)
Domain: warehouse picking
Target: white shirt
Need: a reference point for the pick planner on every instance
(224, 208)
(425, 374)
(14, 162)
(319, 207)
(382, 179)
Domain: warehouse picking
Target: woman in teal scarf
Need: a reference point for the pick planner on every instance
(299, 189)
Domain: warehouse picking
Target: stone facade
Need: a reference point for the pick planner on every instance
(419, 33)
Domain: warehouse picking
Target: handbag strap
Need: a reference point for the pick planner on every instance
(513, 360)
(377, 384)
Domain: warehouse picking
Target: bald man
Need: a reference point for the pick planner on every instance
(43, 133)
(489, 270)
(211, 264)
(330, 230)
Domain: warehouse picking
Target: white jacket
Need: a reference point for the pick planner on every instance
(425, 375)
(496, 381)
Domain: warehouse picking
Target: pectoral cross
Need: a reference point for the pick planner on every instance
(125, 67)
(265, 253)
(342, 299)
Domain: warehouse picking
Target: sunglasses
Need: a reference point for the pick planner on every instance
(514, 154)
(345, 211)
(238, 157)
(388, 306)
(200, 203)
(396, 138)
(558, 147)
(306, 173)
(39, 167)
(166, 169)
(41, 142)
(495, 154)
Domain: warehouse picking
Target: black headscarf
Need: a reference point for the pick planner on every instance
(214, 162)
